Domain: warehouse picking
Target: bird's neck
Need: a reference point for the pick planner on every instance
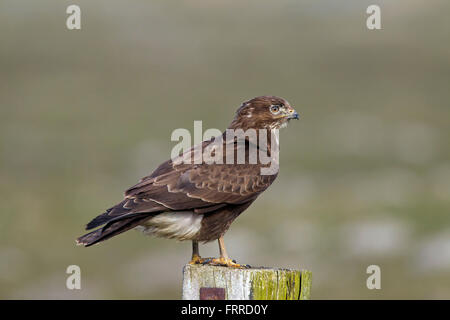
(264, 138)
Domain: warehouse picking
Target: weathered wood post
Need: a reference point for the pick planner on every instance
(205, 282)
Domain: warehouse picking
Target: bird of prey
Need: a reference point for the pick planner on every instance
(198, 200)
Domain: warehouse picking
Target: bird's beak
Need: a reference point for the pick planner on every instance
(292, 114)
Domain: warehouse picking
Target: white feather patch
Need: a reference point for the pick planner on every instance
(182, 225)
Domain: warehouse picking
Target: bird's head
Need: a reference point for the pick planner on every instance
(264, 112)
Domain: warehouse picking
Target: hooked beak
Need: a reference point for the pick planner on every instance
(293, 114)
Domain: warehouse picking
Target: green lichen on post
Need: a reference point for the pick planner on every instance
(293, 289)
(306, 282)
(247, 284)
(278, 284)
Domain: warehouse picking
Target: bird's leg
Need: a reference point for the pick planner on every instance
(223, 250)
(195, 254)
(195, 251)
(224, 260)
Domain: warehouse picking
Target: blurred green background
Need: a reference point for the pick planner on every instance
(365, 174)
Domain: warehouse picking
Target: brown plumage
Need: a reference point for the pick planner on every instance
(198, 202)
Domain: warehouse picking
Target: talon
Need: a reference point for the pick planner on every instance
(196, 259)
(227, 263)
(207, 260)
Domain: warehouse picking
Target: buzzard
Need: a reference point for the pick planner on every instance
(198, 200)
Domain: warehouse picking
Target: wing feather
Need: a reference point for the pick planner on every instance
(177, 186)
(187, 186)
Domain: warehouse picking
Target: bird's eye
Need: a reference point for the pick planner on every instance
(275, 109)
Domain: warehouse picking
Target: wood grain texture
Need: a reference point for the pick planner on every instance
(247, 284)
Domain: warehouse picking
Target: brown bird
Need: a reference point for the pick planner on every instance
(198, 200)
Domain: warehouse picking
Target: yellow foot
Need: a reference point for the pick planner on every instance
(225, 263)
(196, 259)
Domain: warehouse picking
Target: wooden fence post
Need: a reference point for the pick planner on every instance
(205, 282)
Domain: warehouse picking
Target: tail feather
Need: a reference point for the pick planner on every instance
(111, 229)
(99, 220)
(108, 215)
(125, 209)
